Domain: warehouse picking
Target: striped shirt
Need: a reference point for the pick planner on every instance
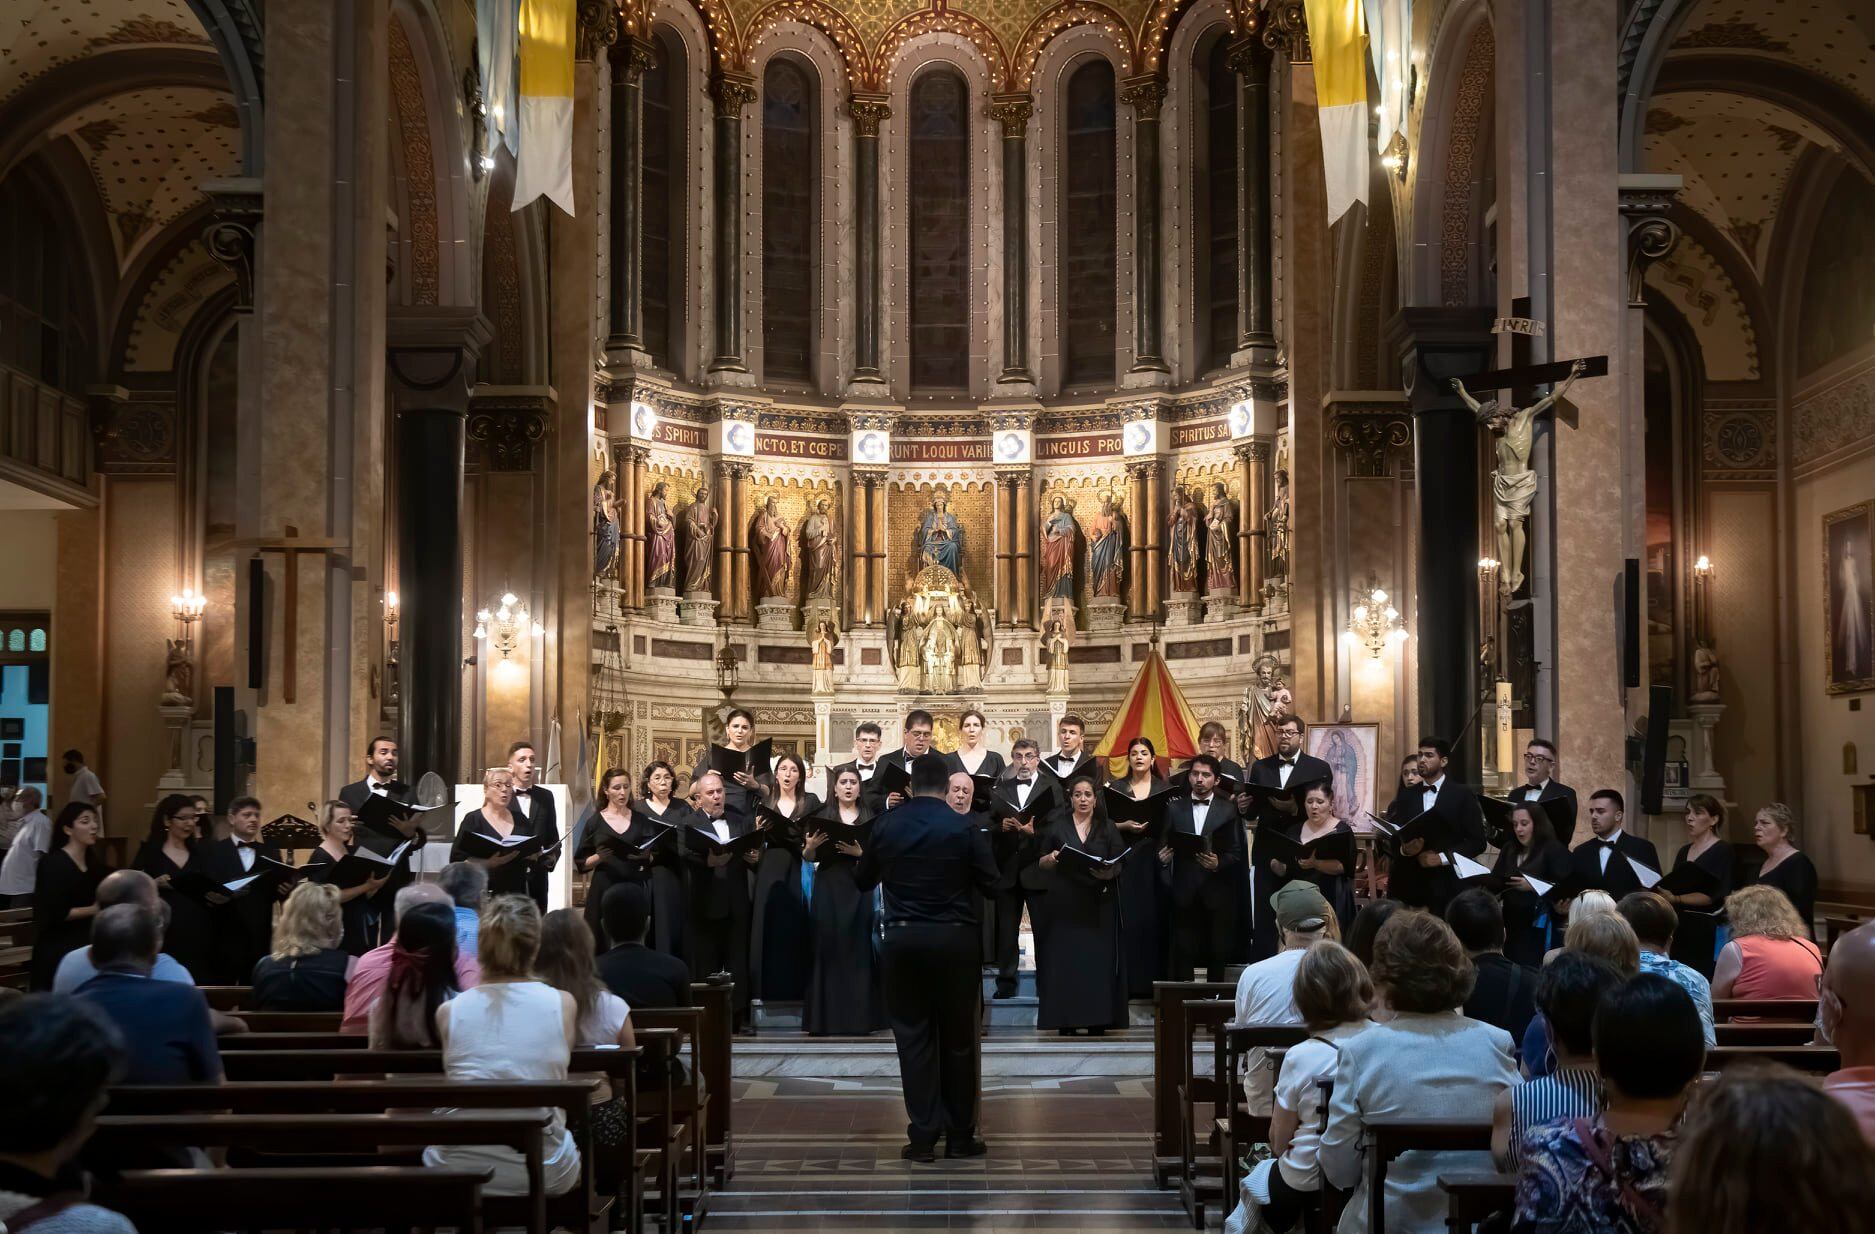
(1567, 1092)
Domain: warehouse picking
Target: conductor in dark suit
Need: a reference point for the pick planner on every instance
(1539, 784)
(1603, 859)
(535, 804)
(1420, 877)
(380, 780)
(1205, 887)
(244, 925)
(1288, 766)
(929, 859)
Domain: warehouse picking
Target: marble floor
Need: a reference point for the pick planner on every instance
(1066, 1152)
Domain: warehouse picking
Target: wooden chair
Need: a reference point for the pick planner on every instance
(1472, 1199)
(1200, 1173)
(1238, 1128)
(714, 1059)
(16, 948)
(1388, 1139)
(679, 1117)
(1815, 1059)
(1169, 1036)
(365, 1198)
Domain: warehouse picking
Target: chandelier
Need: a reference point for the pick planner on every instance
(1374, 623)
(503, 627)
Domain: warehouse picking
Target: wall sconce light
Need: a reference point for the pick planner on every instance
(1702, 584)
(1374, 624)
(187, 609)
(503, 627)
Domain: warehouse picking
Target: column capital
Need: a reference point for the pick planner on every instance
(735, 470)
(506, 421)
(232, 232)
(431, 352)
(632, 57)
(1646, 203)
(1286, 29)
(1012, 111)
(1247, 54)
(1252, 451)
(869, 111)
(1366, 434)
(1143, 94)
(732, 92)
(599, 26)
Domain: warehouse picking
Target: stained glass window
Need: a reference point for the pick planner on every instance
(940, 231)
(1216, 194)
(789, 170)
(1087, 235)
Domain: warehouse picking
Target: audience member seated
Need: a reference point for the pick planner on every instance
(1605, 934)
(1589, 904)
(166, 1026)
(421, 978)
(1655, 921)
(1428, 1061)
(1333, 993)
(1505, 992)
(374, 966)
(566, 963)
(1367, 924)
(642, 976)
(1765, 1150)
(466, 885)
(1266, 990)
(1567, 993)
(61, 1055)
(1770, 955)
(510, 1027)
(119, 887)
(1609, 1174)
(308, 967)
(1847, 1017)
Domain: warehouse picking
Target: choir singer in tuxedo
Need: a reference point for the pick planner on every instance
(1539, 782)
(1289, 765)
(380, 780)
(1205, 884)
(1603, 860)
(1012, 844)
(720, 904)
(534, 804)
(1421, 877)
(243, 925)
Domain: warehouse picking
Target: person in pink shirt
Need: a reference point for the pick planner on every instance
(374, 967)
(1846, 1006)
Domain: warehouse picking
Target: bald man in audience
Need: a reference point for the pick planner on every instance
(121, 887)
(374, 967)
(1847, 1013)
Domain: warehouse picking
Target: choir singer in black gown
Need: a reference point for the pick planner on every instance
(843, 990)
(337, 835)
(782, 950)
(1785, 866)
(601, 854)
(1142, 895)
(1696, 939)
(1332, 877)
(65, 890)
(175, 833)
(1532, 849)
(665, 868)
(507, 873)
(1078, 961)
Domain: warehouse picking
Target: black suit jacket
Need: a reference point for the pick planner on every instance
(356, 793)
(1087, 765)
(931, 861)
(244, 926)
(1014, 851)
(1458, 806)
(1552, 791)
(723, 891)
(542, 820)
(1619, 878)
(1269, 771)
(1191, 882)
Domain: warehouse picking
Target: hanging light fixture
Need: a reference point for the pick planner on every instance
(1374, 623)
(503, 627)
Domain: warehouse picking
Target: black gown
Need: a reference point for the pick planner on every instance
(352, 912)
(1337, 889)
(609, 873)
(1525, 941)
(992, 765)
(1696, 938)
(1142, 907)
(188, 939)
(1795, 876)
(782, 949)
(1078, 967)
(510, 879)
(843, 991)
(668, 882)
(59, 886)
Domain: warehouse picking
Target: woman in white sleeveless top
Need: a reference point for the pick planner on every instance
(511, 1027)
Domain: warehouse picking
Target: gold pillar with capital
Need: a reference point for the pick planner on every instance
(641, 486)
(742, 606)
(1137, 525)
(1002, 527)
(881, 575)
(1154, 529)
(1253, 501)
(1022, 560)
(725, 545)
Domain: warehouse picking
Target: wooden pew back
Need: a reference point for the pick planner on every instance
(1391, 1138)
(1169, 1036)
(388, 1197)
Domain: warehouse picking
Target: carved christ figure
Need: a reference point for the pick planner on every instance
(820, 550)
(700, 545)
(768, 542)
(1513, 483)
(660, 540)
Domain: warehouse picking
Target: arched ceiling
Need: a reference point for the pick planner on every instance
(53, 33)
(1832, 39)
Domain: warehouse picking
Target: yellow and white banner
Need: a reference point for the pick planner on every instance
(1341, 99)
(544, 165)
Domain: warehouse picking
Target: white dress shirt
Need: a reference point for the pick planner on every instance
(377, 787)
(865, 769)
(721, 827)
(1430, 793)
(522, 802)
(1200, 810)
(1534, 792)
(1608, 844)
(1285, 767)
(246, 854)
(1065, 763)
(1023, 789)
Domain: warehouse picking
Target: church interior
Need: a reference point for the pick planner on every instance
(628, 381)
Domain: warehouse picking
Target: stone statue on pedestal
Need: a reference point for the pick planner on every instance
(825, 637)
(940, 539)
(700, 543)
(660, 540)
(939, 654)
(1182, 560)
(1276, 527)
(1106, 549)
(1265, 701)
(1055, 655)
(768, 547)
(820, 552)
(1221, 542)
(907, 644)
(178, 674)
(1705, 674)
(1058, 551)
(605, 532)
(1513, 483)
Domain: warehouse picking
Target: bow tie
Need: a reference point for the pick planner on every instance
(1608, 843)
(1023, 780)
(253, 844)
(1289, 762)
(1200, 801)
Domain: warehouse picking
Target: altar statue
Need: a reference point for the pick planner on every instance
(1183, 559)
(972, 647)
(940, 539)
(1276, 527)
(825, 637)
(940, 654)
(768, 545)
(1265, 700)
(1055, 655)
(907, 644)
(1058, 551)
(178, 674)
(700, 543)
(1513, 482)
(660, 540)
(1221, 542)
(605, 532)
(820, 552)
(1106, 548)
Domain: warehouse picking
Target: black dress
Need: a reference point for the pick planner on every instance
(668, 884)
(352, 913)
(992, 765)
(1696, 938)
(304, 983)
(843, 991)
(1525, 940)
(1337, 889)
(1078, 968)
(188, 939)
(1795, 876)
(1142, 906)
(609, 873)
(508, 880)
(782, 949)
(59, 886)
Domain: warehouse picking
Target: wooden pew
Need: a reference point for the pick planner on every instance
(16, 948)
(1169, 1036)
(226, 997)
(336, 1135)
(679, 1123)
(714, 1059)
(1201, 1174)
(1238, 1128)
(1388, 1139)
(364, 1198)
(1813, 1059)
(327, 1040)
(1762, 1034)
(291, 1021)
(1725, 1010)
(1471, 1199)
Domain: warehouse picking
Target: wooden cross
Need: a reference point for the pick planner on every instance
(1526, 376)
(290, 545)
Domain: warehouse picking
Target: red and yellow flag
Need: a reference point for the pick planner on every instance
(1154, 708)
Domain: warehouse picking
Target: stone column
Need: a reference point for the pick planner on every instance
(1250, 59)
(1023, 561)
(743, 606)
(1136, 523)
(1154, 529)
(1253, 508)
(732, 92)
(1002, 521)
(882, 571)
(1012, 111)
(1144, 95)
(631, 56)
(858, 522)
(641, 487)
(869, 111)
(724, 496)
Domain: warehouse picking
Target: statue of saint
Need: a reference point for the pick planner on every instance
(940, 540)
(605, 533)
(1183, 558)
(768, 545)
(907, 644)
(1513, 483)
(700, 543)
(178, 674)
(940, 654)
(1276, 527)
(1055, 652)
(825, 636)
(1705, 674)
(1221, 542)
(660, 540)
(1266, 700)
(820, 552)
(1106, 548)
(1058, 551)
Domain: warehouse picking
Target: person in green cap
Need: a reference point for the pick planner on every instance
(1266, 991)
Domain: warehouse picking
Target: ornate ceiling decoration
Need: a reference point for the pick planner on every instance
(53, 33)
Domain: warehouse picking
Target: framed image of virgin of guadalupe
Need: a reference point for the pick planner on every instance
(1349, 750)
(1848, 599)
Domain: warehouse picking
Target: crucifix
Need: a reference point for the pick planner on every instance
(290, 545)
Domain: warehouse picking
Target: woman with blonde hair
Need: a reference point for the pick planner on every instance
(1604, 935)
(513, 1026)
(308, 970)
(1770, 955)
(1785, 866)
(1588, 904)
(337, 841)
(497, 820)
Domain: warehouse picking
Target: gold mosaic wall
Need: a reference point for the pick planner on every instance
(974, 508)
